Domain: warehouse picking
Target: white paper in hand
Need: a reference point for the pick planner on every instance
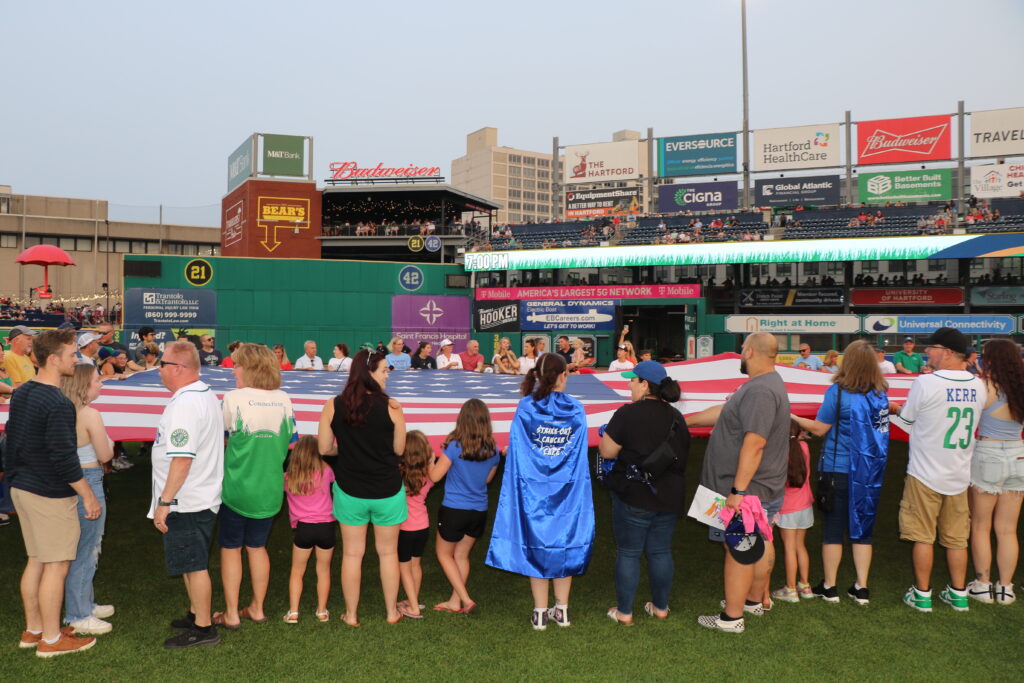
(706, 507)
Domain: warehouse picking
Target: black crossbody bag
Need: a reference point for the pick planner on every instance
(662, 457)
(826, 493)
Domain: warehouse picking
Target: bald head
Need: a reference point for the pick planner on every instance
(182, 352)
(762, 344)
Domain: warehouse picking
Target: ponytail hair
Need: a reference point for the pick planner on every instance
(542, 377)
(668, 390)
(796, 473)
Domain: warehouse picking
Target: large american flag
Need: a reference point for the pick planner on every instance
(431, 398)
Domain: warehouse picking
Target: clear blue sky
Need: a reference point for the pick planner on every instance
(140, 104)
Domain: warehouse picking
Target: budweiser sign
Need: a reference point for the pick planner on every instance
(922, 138)
(350, 170)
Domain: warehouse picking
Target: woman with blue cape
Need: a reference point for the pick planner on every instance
(854, 419)
(544, 522)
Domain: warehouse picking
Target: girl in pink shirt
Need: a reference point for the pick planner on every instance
(414, 531)
(307, 487)
(795, 518)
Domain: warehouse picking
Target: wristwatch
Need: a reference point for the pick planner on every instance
(737, 492)
(164, 504)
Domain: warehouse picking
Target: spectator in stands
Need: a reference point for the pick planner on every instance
(152, 353)
(341, 361)
(146, 334)
(505, 361)
(806, 360)
(579, 354)
(472, 360)
(621, 362)
(528, 360)
(565, 351)
(309, 360)
(908, 362)
(228, 362)
(831, 362)
(282, 357)
(422, 360)
(884, 365)
(447, 359)
(18, 361)
(398, 359)
(973, 363)
(646, 354)
(208, 355)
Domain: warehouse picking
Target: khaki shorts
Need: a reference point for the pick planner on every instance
(923, 510)
(49, 526)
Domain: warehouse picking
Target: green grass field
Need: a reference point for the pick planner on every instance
(811, 640)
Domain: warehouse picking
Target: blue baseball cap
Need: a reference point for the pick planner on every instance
(745, 548)
(650, 370)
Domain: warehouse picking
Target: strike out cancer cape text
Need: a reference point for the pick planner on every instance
(544, 524)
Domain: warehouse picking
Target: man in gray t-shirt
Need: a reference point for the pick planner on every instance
(748, 454)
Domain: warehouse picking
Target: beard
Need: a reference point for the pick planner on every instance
(743, 366)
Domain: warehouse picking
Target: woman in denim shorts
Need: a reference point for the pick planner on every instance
(997, 473)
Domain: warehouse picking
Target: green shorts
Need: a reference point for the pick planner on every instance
(378, 511)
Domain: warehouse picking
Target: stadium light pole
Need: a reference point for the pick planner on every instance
(746, 109)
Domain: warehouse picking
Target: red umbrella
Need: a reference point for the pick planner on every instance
(44, 255)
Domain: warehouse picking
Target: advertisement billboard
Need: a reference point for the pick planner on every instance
(793, 324)
(997, 180)
(997, 296)
(589, 292)
(815, 190)
(240, 164)
(697, 154)
(170, 307)
(926, 324)
(784, 297)
(907, 296)
(602, 162)
(919, 138)
(284, 155)
(568, 315)
(430, 318)
(698, 197)
(778, 149)
(905, 186)
(996, 132)
(618, 202)
(496, 317)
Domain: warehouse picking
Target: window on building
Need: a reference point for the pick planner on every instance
(529, 207)
(122, 246)
(516, 206)
(977, 264)
(810, 268)
(152, 247)
(515, 193)
(759, 270)
(783, 269)
(515, 182)
(66, 243)
(515, 171)
(895, 266)
(834, 268)
(83, 244)
(9, 241)
(530, 172)
(530, 184)
(515, 159)
(544, 174)
(514, 217)
(937, 265)
(529, 161)
(529, 195)
(138, 247)
(869, 267)
(544, 163)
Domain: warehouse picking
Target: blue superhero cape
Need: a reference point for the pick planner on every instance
(544, 523)
(869, 449)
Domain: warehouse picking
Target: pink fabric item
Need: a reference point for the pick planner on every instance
(315, 507)
(418, 518)
(800, 498)
(753, 515)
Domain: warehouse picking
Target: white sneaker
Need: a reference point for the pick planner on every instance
(714, 621)
(757, 610)
(91, 626)
(1004, 594)
(980, 591)
(103, 611)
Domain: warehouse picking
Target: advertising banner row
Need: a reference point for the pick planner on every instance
(833, 297)
(534, 316)
(998, 132)
(872, 324)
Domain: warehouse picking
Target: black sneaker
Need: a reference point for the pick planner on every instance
(193, 638)
(861, 595)
(184, 623)
(830, 594)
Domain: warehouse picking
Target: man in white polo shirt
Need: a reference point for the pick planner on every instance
(941, 414)
(188, 468)
(309, 360)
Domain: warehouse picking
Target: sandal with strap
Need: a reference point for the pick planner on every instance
(614, 614)
(291, 618)
(323, 616)
(649, 608)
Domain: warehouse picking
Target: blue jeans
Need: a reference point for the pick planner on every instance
(6, 504)
(78, 595)
(642, 532)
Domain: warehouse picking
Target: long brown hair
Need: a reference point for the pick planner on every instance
(542, 377)
(304, 464)
(473, 431)
(1005, 370)
(416, 458)
(76, 385)
(860, 373)
(796, 473)
(355, 403)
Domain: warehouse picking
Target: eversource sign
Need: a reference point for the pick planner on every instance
(697, 197)
(697, 154)
(908, 186)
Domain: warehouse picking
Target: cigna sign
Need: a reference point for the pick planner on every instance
(350, 170)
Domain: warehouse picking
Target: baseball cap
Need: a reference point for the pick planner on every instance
(87, 338)
(745, 548)
(67, 325)
(368, 346)
(649, 370)
(907, 339)
(20, 329)
(952, 338)
(446, 342)
(107, 352)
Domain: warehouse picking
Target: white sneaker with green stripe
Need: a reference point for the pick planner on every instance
(919, 600)
(954, 598)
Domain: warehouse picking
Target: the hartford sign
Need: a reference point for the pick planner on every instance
(350, 170)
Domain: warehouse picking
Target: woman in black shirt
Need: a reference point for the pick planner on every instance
(422, 360)
(370, 430)
(644, 515)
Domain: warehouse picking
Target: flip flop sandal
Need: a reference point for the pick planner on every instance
(445, 608)
(404, 611)
(395, 621)
(323, 616)
(649, 608)
(244, 614)
(218, 620)
(614, 615)
(291, 618)
(472, 609)
(350, 625)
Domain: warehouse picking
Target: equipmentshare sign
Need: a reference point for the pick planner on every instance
(602, 202)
